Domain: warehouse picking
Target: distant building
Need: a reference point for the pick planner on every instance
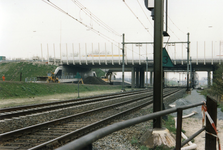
(2, 58)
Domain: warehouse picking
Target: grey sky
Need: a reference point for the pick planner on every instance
(26, 24)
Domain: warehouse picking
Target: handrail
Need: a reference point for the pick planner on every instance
(93, 136)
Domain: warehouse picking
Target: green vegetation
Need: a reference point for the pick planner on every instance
(170, 124)
(134, 141)
(144, 147)
(23, 89)
(217, 87)
(12, 70)
(204, 92)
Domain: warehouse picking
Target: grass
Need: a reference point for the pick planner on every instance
(12, 70)
(170, 124)
(23, 89)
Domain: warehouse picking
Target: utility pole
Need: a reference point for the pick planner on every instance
(158, 68)
(188, 53)
(123, 63)
(191, 84)
(147, 72)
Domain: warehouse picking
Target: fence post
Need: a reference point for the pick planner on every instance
(210, 141)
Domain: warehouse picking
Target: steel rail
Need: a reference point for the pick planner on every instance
(90, 138)
(15, 133)
(66, 104)
(71, 134)
(3, 110)
(8, 135)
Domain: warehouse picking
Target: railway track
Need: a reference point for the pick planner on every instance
(51, 134)
(8, 113)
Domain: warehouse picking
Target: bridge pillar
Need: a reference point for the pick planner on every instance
(133, 77)
(209, 79)
(142, 78)
(151, 78)
(137, 77)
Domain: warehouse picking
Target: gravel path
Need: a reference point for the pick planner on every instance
(127, 139)
(194, 123)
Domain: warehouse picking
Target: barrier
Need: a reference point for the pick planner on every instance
(210, 141)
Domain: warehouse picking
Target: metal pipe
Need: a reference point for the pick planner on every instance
(166, 15)
(179, 128)
(146, 72)
(193, 136)
(123, 63)
(153, 42)
(188, 53)
(158, 68)
(60, 54)
(93, 136)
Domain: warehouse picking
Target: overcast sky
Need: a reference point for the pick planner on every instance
(26, 24)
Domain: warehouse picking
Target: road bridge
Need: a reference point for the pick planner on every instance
(205, 57)
(135, 66)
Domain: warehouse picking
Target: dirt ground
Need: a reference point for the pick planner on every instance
(192, 125)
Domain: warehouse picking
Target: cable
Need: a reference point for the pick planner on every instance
(95, 18)
(176, 25)
(91, 28)
(144, 13)
(137, 17)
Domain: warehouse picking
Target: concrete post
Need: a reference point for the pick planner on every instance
(142, 78)
(137, 77)
(133, 77)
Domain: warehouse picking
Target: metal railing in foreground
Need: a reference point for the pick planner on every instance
(210, 141)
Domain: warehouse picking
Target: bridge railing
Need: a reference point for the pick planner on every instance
(210, 141)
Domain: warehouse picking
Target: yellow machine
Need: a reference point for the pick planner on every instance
(82, 82)
(107, 77)
(50, 78)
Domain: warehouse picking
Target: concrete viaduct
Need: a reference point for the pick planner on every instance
(137, 67)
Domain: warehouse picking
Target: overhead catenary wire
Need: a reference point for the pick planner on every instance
(95, 18)
(137, 17)
(144, 12)
(175, 25)
(89, 27)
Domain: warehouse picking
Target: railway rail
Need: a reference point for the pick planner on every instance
(51, 134)
(7, 113)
